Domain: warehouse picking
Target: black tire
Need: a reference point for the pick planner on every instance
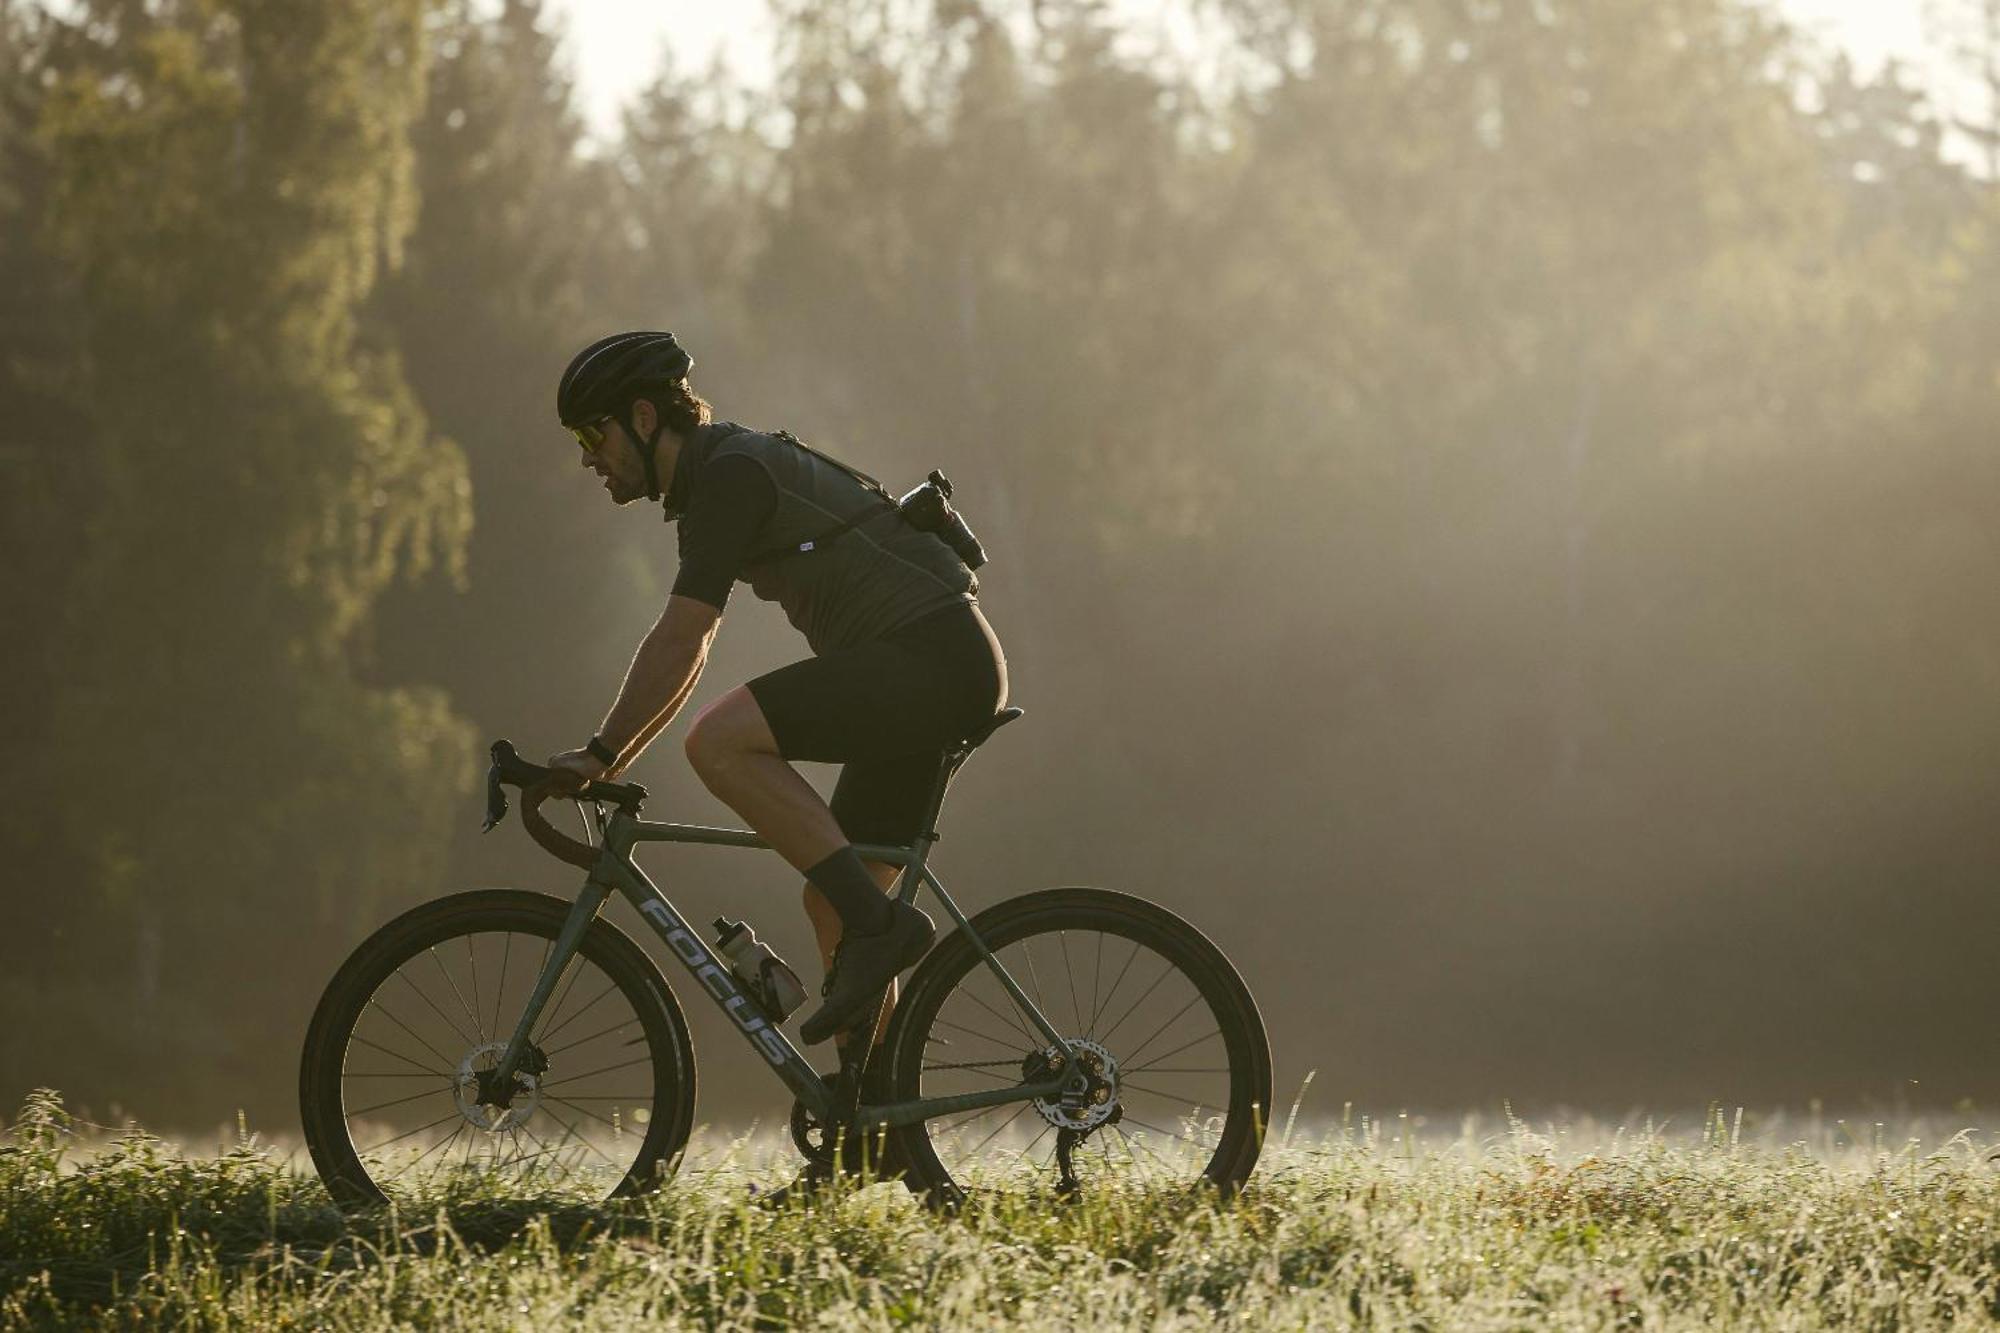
(407, 1027)
(956, 1029)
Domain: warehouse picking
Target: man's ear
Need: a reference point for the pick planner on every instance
(644, 417)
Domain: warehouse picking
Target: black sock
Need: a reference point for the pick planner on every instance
(853, 891)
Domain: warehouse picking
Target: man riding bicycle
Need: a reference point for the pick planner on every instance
(440, 1051)
(903, 666)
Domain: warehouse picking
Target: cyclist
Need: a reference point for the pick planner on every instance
(903, 662)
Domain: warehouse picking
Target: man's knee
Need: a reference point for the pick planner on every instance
(710, 747)
(726, 731)
(702, 744)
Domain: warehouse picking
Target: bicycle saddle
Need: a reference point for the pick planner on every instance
(987, 728)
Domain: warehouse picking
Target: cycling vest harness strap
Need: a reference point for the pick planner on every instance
(871, 570)
(838, 529)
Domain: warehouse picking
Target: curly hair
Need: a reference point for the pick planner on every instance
(679, 406)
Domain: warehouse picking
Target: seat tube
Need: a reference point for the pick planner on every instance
(927, 834)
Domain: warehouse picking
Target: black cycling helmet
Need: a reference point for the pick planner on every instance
(604, 378)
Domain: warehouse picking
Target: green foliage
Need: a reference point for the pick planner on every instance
(1354, 1229)
(499, 286)
(227, 183)
(1535, 454)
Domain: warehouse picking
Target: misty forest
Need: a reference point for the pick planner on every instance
(1494, 508)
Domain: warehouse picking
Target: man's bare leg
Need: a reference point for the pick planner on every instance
(734, 753)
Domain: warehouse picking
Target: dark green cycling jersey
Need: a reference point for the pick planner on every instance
(747, 500)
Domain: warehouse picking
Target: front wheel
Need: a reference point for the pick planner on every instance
(395, 1086)
(1177, 1067)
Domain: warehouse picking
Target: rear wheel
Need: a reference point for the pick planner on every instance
(396, 1089)
(1176, 1068)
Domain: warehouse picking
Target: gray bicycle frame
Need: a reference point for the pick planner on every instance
(615, 871)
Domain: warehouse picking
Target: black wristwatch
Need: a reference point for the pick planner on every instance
(601, 752)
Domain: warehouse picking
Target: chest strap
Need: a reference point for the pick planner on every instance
(840, 529)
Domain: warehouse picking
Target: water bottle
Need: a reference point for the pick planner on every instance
(770, 981)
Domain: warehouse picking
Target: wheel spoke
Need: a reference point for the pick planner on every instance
(383, 1106)
(1160, 1005)
(541, 1143)
(448, 1021)
(412, 1031)
(580, 1138)
(470, 1012)
(1165, 972)
(1133, 1054)
(576, 962)
(472, 961)
(1097, 1013)
(1134, 1120)
(1034, 1044)
(418, 1130)
(1040, 1003)
(644, 1059)
(549, 1034)
(1096, 975)
(1131, 1143)
(1124, 1083)
(997, 1041)
(960, 1119)
(976, 1064)
(442, 1143)
(626, 1023)
(975, 1069)
(445, 1073)
(1002, 1125)
(1168, 1055)
(500, 986)
(1069, 971)
(599, 1024)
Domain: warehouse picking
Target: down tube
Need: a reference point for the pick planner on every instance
(717, 981)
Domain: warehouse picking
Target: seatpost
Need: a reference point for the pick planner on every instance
(946, 768)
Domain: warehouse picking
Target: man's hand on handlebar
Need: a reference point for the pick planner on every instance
(574, 773)
(573, 768)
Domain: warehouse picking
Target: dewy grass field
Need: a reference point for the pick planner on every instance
(1363, 1225)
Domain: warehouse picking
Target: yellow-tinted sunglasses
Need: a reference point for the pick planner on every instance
(591, 433)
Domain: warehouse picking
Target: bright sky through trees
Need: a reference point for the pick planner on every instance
(619, 41)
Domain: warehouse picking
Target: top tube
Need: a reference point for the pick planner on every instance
(641, 830)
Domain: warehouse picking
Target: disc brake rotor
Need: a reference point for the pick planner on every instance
(480, 1103)
(1091, 1096)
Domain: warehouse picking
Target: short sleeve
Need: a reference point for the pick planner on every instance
(732, 502)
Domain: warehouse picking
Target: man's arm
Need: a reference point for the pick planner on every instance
(662, 675)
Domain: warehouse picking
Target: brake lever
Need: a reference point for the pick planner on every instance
(509, 769)
(496, 799)
(507, 766)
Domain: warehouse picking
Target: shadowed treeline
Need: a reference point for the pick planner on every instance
(1492, 507)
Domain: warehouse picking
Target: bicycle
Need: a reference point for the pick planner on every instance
(418, 1073)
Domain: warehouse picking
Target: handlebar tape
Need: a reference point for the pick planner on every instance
(536, 784)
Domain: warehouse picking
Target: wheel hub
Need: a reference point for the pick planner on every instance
(486, 1105)
(1089, 1099)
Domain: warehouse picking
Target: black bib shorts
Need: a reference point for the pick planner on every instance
(887, 710)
